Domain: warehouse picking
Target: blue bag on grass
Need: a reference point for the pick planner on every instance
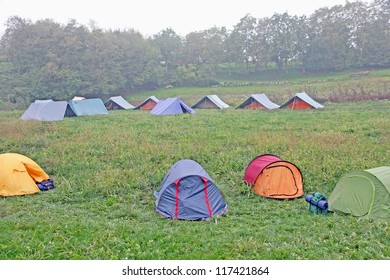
(317, 203)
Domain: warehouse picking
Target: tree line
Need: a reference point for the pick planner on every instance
(45, 59)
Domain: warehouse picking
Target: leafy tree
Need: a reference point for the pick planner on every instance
(283, 39)
(329, 39)
(138, 60)
(376, 46)
(214, 43)
(61, 61)
(170, 46)
(243, 39)
(262, 52)
(302, 43)
(195, 48)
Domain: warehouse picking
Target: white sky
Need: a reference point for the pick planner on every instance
(151, 16)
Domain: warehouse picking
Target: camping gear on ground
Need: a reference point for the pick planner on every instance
(93, 106)
(117, 103)
(363, 193)
(46, 185)
(188, 193)
(302, 101)
(19, 175)
(148, 104)
(272, 177)
(317, 203)
(210, 102)
(258, 101)
(171, 106)
(47, 110)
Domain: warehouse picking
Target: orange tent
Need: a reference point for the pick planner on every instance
(19, 175)
(272, 177)
(148, 104)
(302, 101)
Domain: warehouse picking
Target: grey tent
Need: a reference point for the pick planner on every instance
(148, 104)
(94, 106)
(188, 193)
(302, 101)
(258, 101)
(118, 103)
(48, 111)
(210, 102)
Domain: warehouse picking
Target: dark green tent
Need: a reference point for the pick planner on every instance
(364, 193)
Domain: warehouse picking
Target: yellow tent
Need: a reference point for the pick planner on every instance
(19, 175)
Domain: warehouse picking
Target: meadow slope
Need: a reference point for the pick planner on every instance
(106, 169)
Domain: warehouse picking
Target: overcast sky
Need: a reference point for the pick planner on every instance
(151, 16)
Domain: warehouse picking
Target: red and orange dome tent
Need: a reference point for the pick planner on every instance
(272, 177)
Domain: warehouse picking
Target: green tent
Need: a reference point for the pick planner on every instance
(94, 106)
(364, 193)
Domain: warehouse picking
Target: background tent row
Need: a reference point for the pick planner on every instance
(298, 101)
(260, 101)
(254, 102)
(57, 110)
(49, 110)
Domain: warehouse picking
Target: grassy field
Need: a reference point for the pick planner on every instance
(106, 169)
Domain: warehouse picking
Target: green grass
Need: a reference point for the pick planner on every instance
(106, 169)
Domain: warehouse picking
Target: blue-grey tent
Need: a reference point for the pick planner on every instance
(93, 106)
(47, 110)
(188, 193)
(171, 106)
(118, 103)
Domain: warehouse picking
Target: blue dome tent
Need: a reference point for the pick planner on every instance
(188, 193)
